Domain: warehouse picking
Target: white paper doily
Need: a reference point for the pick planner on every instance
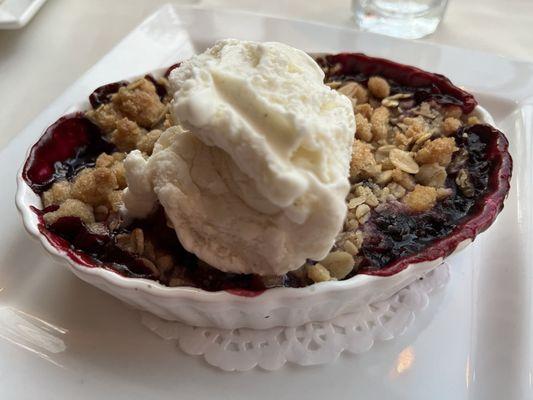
(310, 344)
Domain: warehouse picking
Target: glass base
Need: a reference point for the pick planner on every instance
(403, 22)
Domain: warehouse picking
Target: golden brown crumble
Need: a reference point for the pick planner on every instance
(106, 117)
(57, 194)
(115, 164)
(126, 135)
(93, 185)
(355, 92)
(123, 120)
(404, 179)
(146, 142)
(398, 156)
(431, 175)
(364, 109)
(380, 122)
(104, 160)
(363, 128)
(114, 199)
(71, 208)
(140, 102)
(450, 125)
(401, 140)
(422, 198)
(437, 151)
(362, 158)
(378, 87)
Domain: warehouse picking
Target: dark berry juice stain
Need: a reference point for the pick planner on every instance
(71, 143)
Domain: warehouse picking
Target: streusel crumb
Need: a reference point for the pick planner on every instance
(114, 199)
(107, 160)
(57, 194)
(120, 174)
(415, 126)
(450, 125)
(401, 140)
(104, 160)
(379, 87)
(403, 178)
(396, 190)
(431, 175)
(437, 151)
(92, 186)
(101, 213)
(362, 158)
(355, 91)
(126, 135)
(363, 128)
(380, 122)
(365, 109)
(105, 116)
(115, 164)
(71, 208)
(140, 102)
(146, 142)
(422, 198)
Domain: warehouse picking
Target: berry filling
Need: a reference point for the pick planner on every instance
(394, 232)
(402, 78)
(68, 145)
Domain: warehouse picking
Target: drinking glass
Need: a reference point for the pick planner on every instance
(408, 19)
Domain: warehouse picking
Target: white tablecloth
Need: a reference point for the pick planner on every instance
(38, 62)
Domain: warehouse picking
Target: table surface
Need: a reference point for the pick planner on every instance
(38, 62)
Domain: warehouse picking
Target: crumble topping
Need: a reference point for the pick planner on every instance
(401, 156)
(71, 208)
(134, 116)
(140, 103)
(379, 87)
(437, 151)
(422, 198)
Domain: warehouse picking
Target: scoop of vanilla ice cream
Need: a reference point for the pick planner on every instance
(254, 177)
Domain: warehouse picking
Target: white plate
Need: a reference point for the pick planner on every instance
(61, 338)
(15, 14)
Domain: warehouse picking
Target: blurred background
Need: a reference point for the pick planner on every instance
(66, 37)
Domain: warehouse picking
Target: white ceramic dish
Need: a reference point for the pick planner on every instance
(63, 338)
(15, 14)
(274, 307)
